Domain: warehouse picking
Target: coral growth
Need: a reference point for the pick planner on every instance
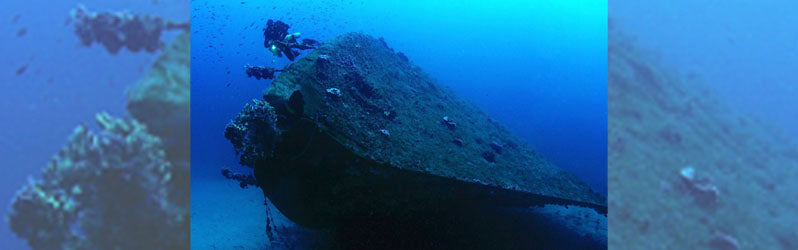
(108, 190)
(334, 92)
(449, 123)
(701, 188)
(244, 180)
(253, 132)
(117, 30)
(260, 72)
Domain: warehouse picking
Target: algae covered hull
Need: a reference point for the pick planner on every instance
(355, 130)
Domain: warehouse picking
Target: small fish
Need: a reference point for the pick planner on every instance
(21, 69)
(21, 32)
(15, 19)
(228, 84)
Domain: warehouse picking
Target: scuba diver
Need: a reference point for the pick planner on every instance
(279, 41)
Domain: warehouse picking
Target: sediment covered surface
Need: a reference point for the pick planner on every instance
(685, 170)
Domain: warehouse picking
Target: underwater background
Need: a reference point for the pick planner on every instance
(537, 67)
(51, 84)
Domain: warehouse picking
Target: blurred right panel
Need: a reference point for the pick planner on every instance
(702, 125)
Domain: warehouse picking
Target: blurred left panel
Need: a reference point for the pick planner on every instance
(94, 124)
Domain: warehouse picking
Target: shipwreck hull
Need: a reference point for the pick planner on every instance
(352, 202)
(359, 145)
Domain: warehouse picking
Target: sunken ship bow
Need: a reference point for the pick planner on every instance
(356, 143)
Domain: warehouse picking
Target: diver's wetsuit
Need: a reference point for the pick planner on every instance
(288, 47)
(276, 34)
(274, 31)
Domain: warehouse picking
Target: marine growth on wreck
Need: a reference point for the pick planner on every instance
(360, 146)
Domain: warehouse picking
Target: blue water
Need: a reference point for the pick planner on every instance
(745, 50)
(63, 85)
(538, 67)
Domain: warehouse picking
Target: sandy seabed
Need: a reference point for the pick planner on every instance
(225, 216)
